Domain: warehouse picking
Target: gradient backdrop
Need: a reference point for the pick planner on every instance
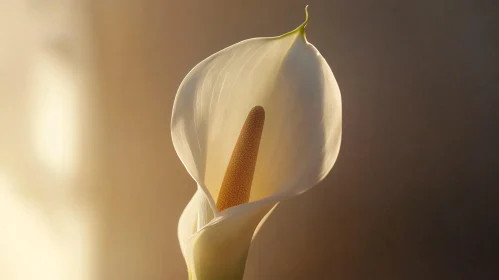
(91, 187)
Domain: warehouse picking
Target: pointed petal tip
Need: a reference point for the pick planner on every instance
(306, 16)
(301, 28)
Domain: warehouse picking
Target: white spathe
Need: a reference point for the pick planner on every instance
(290, 79)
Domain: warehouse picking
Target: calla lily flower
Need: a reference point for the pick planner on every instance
(254, 124)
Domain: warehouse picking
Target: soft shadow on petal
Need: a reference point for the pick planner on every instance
(292, 81)
(302, 132)
(214, 99)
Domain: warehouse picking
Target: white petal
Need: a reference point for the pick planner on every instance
(300, 142)
(294, 84)
(221, 248)
(196, 215)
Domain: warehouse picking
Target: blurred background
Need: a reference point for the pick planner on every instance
(91, 187)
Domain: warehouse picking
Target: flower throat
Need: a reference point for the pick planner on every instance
(236, 185)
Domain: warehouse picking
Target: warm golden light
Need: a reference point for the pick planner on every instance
(37, 246)
(47, 227)
(55, 114)
(38, 250)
